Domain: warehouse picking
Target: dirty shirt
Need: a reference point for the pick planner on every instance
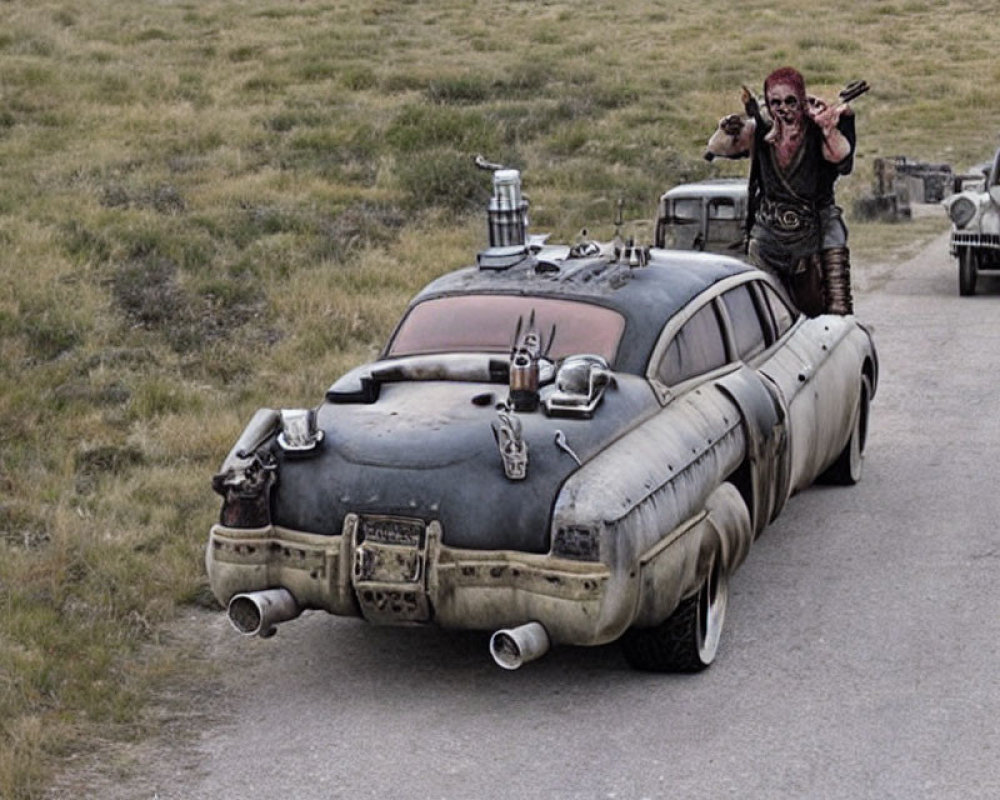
(796, 216)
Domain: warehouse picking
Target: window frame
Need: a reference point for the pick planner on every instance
(715, 203)
(712, 306)
(779, 298)
(763, 321)
(755, 280)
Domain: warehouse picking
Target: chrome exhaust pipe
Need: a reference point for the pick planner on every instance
(257, 613)
(513, 647)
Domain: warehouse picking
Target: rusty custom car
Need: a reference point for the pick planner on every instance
(561, 445)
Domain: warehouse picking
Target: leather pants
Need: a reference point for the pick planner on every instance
(805, 286)
(816, 284)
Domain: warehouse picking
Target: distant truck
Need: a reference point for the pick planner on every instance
(975, 228)
(926, 182)
(707, 215)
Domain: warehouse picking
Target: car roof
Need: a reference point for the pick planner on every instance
(647, 297)
(713, 187)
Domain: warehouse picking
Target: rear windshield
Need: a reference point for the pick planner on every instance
(487, 323)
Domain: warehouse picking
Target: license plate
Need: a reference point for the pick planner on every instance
(389, 550)
(391, 530)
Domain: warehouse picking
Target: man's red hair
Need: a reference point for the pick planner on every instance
(792, 77)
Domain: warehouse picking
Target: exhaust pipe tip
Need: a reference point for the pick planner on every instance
(257, 613)
(513, 647)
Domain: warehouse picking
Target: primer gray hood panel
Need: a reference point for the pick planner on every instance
(426, 450)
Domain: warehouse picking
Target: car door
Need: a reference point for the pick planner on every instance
(798, 364)
(702, 423)
(681, 226)
(752, 335)
(700, 372)
(724, 226)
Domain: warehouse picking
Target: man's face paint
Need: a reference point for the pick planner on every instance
(784, 104)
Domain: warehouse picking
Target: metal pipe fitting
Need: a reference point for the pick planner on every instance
(257, 613)
(512, 647)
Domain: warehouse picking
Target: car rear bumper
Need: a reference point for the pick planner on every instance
(423, 581)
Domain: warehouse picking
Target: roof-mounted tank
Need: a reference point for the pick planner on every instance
(507, 219)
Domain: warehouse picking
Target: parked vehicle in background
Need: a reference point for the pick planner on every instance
(561, 444)
(926, 182)
(973, 179)
(975, 228)
(707, 215)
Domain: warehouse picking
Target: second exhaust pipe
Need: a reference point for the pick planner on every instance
(256, 613)
(512, 647)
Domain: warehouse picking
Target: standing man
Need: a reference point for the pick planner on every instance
(798, 151)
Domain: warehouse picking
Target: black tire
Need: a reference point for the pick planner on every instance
(688, 640)
(846, 470)
(967, 264)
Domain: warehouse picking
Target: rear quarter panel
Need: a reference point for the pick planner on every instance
(818, 370)
(654, 479)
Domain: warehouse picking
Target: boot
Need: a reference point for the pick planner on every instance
(837, 281)
(805, 286)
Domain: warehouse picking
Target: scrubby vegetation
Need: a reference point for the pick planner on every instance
(208, 207)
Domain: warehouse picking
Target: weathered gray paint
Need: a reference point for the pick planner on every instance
(426, 450)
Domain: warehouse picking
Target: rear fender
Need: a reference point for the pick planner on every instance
(764, 415)
(677, 565)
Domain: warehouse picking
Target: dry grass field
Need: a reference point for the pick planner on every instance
(211, 206)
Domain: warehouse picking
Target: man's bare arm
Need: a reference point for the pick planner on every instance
(836, 147)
